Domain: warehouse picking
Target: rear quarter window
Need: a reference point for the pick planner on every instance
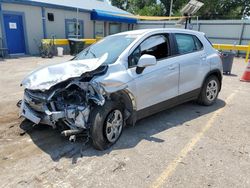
(208, 40)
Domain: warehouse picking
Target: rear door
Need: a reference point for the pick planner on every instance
(192, 59)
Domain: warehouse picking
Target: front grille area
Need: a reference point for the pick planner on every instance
(36, 96)
(35, 102)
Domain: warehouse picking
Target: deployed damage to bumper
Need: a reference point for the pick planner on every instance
(64, 94)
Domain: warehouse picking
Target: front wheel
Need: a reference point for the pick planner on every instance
(107, 123)
(210, 91)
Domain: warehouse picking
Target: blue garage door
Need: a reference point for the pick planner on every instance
(13, 25)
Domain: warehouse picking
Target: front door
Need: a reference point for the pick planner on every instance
(159, 82)
(14, 32)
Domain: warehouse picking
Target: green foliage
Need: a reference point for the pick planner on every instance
(212, 9)
(177, 5)
(224, 9)
(154, 10)
(119, 3)
(146, 7)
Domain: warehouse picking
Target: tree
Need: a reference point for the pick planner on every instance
(141, 7)
(224, 9)
(177, 5)
(153, 10)
(122, 4)
(145, 7)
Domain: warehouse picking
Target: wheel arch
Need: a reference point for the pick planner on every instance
(215, 72)
(127, 99)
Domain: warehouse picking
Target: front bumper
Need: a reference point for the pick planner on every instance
(40, 111)
(29, 114)
(35, 109)
(48, 117)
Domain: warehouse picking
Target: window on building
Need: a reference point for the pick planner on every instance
(74, 29)
(99, 29)
(187, 43)
(157, 46)
(114, 28)
(51, 17)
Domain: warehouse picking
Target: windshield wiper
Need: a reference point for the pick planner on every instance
(92, 53)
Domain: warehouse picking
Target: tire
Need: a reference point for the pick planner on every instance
(209, 92)
(43, 55)
(50, 55)
(105, 130)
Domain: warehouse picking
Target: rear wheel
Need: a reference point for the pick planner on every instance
(106, 124)
(210, 91)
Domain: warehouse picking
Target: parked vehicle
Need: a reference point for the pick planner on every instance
(121, 79)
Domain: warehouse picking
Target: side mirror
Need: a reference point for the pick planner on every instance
(145, 61)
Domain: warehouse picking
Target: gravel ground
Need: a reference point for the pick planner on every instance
(187, 146)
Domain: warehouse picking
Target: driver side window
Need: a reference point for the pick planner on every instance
(156, 45)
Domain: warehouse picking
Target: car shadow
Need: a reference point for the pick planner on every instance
(51, 142)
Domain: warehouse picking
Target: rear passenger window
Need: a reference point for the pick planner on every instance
(187, 43)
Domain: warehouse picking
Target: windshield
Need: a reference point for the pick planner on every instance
(113, 46)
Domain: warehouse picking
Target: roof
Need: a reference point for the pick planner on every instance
(146, 31)
(87, 5)
(134, 32)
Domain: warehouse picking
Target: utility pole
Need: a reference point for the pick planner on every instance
(77, 22)
(171, 7)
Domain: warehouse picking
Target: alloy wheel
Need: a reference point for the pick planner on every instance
(114, 125)
(212, 90)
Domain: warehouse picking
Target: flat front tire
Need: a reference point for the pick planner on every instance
(107, 123)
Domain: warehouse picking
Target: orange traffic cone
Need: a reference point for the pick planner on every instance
(246, 75)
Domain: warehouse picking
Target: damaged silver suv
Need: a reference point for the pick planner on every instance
(121, 79)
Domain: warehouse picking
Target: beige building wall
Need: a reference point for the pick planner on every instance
(57, 27)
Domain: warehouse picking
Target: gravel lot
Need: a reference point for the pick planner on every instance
(187, 146)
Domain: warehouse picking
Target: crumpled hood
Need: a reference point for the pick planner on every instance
(46, 77)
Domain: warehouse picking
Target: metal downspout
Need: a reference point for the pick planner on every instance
(44, 23)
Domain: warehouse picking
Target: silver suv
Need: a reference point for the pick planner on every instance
(121, 79)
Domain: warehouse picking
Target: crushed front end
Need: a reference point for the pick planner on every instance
(66, 103)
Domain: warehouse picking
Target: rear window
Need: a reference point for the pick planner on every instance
(187, 43)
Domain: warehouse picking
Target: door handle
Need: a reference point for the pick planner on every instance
(171, 67)
(203, 56)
